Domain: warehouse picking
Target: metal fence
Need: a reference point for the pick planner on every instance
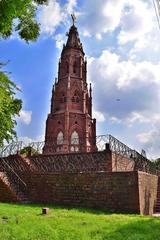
(140, 161)
(37, 147)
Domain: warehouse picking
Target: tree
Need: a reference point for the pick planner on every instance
(10, 107)
(15, 15)
(19, 15)
(157, 163)
(29, 150)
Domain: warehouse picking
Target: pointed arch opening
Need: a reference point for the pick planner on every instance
(76, 97)
(74, 142)
(60, 138)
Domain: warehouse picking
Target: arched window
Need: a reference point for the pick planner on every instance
(60, 138)
(74, 138)
(74, 142)
(76, 97)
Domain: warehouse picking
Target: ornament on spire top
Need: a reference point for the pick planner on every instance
(73, 18)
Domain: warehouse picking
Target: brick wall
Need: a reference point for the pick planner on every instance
(117, 191)
(6, 194)
(73, 162)
(17, 162)
(85, 180)
(122, 163)
(147, 192)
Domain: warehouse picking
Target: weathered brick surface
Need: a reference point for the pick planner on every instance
(99, 179)
(17, 162)
(122, 163)
(71, 103)
(116, 191)
(73, 162)
(6, 193)
(147, 192)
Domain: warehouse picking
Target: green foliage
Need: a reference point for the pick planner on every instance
(26, 150)
(157, 163)
(21, 222)
(15, 15)
(19, 15)
(9, 108)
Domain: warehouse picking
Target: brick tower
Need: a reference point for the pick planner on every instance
(69, 126)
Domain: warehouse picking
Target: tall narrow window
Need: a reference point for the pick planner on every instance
(76, 97)
(74, 138)
(74, 142)
(60, 138)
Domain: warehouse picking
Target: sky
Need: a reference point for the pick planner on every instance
(121, 40)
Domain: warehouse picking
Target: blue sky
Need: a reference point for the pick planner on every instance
(121, 42)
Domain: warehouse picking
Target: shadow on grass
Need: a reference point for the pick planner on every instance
(147, 229)
(93, 210)
(76, 208)
(96, 211)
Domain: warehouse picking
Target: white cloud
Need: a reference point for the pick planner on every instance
(25, 116)
(52, 14)
(86, 33)
(147, 47)
(136, 21)
(151, 142)
(98, 36)
(126, 92)
(149, 116)
(28, 140)
(133, 19)
(114, 119)
(99, 116)
(71, 4)
(60, 40)
(101, 16)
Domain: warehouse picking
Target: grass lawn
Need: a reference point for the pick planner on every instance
(25, 222)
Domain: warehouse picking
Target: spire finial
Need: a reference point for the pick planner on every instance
(73, 18)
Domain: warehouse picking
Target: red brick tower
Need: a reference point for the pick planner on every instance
(69, 126)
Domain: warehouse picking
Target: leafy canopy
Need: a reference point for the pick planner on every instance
(29, 150)
(9, 108)
(15, 15)
(19, 15)
(157, 163)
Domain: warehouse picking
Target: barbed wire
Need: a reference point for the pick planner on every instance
(102, 142)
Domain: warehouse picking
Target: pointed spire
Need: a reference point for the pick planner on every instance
(73, 40)
(53, 89)
(90, 90)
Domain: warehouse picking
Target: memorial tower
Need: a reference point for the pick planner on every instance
(69, 126)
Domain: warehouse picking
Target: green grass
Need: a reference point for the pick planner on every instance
(25, 222)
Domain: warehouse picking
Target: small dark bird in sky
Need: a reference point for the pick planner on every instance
(118, 99)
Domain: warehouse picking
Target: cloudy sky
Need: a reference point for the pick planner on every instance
(121, 40)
